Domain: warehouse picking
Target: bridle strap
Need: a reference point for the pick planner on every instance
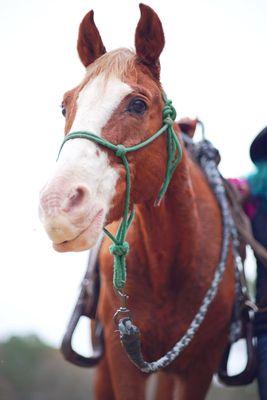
(120, 248)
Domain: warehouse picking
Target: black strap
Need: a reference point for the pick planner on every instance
(249, 373)
(86, 306)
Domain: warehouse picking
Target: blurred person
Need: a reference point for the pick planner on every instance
(253, 190)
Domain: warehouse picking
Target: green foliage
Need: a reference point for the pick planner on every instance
(233, 393)
(32, 370)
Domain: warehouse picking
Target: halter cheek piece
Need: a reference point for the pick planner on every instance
(120, 248)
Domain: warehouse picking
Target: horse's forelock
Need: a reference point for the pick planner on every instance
(119, 63)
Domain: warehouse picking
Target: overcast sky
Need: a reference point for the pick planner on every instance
(214, 67)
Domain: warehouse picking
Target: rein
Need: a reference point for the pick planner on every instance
(205, 155)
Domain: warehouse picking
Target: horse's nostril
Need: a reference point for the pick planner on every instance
(76, 198)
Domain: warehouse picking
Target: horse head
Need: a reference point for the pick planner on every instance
(120, 100)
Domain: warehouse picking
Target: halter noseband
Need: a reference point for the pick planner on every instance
(120, 247)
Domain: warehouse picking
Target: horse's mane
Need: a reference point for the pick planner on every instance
(118, 63)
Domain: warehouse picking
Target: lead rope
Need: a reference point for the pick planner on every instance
(129, 333)
(120, 248)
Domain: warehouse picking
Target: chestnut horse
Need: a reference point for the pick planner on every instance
(175, 246)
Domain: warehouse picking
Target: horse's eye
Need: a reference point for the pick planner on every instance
(137, 106)
(63, 110)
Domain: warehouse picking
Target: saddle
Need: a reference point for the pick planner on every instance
(243, 312)
(244, 309)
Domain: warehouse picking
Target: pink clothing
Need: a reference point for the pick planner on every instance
(250, 205)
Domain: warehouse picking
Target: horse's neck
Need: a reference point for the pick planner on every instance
(168, 234)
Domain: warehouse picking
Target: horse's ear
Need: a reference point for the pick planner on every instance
(149, 39)
(89, 45)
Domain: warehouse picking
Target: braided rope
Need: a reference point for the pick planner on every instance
(129, 333)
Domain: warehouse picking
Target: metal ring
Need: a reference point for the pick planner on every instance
(123, 297)
(121, 310)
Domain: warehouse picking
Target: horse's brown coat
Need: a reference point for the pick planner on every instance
(174, 247)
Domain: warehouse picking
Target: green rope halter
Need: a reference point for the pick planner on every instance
(120, 248)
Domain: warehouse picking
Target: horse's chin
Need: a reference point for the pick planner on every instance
(85, 240)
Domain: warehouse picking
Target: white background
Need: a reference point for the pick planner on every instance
(213, 66)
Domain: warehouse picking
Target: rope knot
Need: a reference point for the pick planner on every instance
(169, 112)
(168, 120)
(119, 249)
(121, 150)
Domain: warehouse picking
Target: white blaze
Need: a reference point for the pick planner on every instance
(95, 105)
(79, 163)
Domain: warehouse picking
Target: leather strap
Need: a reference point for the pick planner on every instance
(86, 306)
